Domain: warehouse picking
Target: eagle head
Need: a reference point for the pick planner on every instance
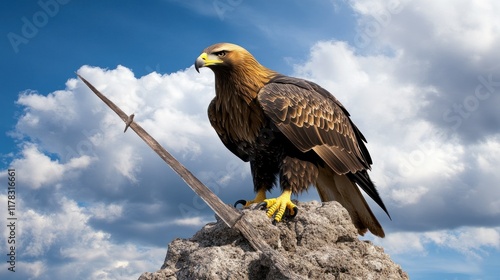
(223, 56)
(236, 70)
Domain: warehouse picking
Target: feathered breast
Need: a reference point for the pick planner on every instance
(235, 111)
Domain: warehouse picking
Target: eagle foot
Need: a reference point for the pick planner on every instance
(261, 196)
(278, 206)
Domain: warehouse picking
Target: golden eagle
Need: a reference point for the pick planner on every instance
(292, 129)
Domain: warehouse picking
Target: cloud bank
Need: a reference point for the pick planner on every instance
(92, 194)
(103, 206)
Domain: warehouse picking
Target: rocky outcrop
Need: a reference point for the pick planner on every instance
(319, 243)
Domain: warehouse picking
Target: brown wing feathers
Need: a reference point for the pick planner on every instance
(308, 120)
(311, 118)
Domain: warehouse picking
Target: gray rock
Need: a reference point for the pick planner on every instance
(319, 243)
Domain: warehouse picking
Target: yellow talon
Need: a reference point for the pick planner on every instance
(259, 197)
(277, 206)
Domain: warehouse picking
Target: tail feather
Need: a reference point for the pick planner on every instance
(363, 180)
(340, 188)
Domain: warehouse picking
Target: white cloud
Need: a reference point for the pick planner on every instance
(470, 27)
(472, 242)
(431, 177)
(128, 163)
(469, 241)
(42, 170)
(435, 155)
(170, 107)
(421, 58)
(50, 104)
(90, 253)
(35, 269)
(108, 213)
(408, 196)
(65, 227)
(402, 242)
(194, 222)
(387, 111)
(463, 26)
(391, 95)
(74, 145)
(488, 155)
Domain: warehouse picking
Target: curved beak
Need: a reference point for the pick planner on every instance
(205, 60)
(200, 62)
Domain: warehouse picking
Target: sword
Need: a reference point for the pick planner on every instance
(228, 214)
(231, 217)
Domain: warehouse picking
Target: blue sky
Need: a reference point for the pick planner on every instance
(420, 79)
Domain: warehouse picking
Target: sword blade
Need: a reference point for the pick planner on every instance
(228, 214)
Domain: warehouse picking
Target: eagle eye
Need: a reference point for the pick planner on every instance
(221, 53)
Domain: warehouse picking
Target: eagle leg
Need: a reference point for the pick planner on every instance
(259, 197)
(277, 206)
